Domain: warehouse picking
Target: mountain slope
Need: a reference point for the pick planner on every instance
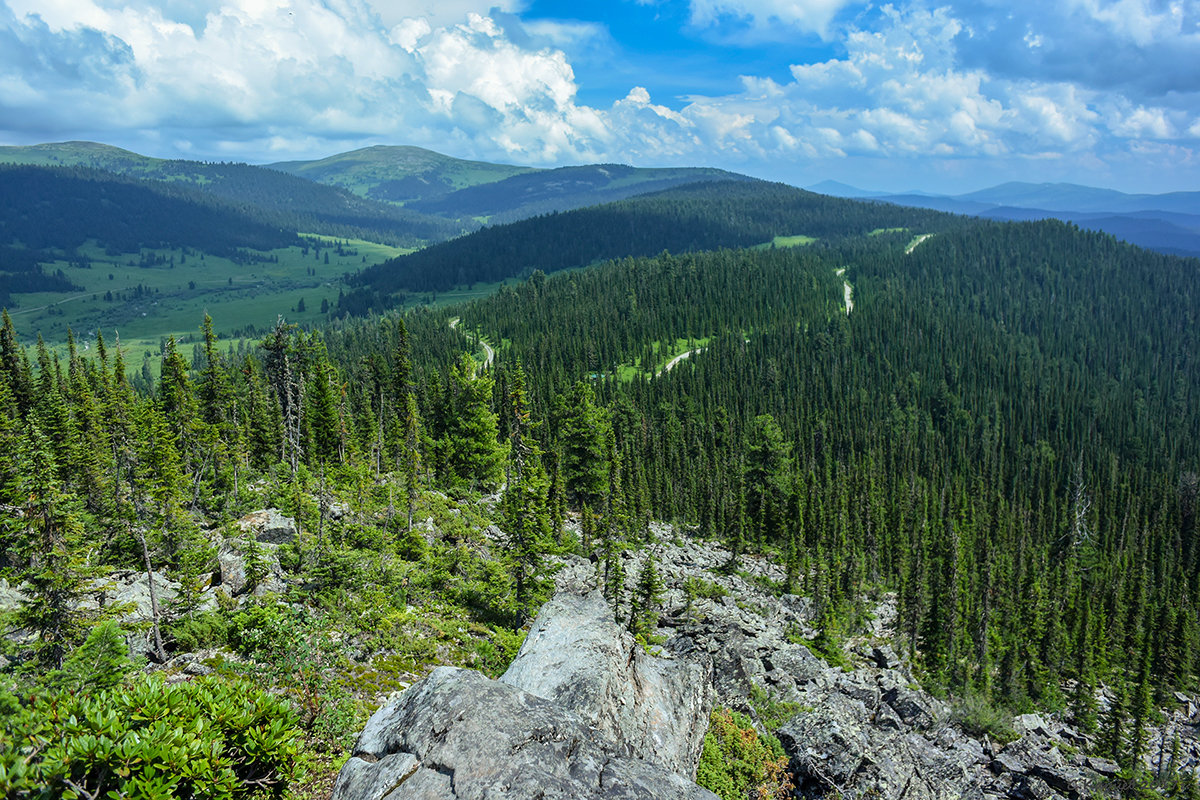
(705, 216)
(398, 174)
(290, 201)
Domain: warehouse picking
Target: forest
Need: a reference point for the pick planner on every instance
(1003, 432)
(702, 216)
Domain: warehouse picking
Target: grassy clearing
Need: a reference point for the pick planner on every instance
(661, 355)
(148, 295)
(882, 231)
(786, 241)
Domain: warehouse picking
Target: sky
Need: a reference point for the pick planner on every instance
(933, 96)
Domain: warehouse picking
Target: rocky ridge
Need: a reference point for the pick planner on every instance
(585, 712)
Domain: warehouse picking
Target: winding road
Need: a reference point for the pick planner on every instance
(489, 355)
(915, 242)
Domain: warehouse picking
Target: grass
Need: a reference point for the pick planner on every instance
(149, 295)
(786, 241)
(662, 355)
(882, 231)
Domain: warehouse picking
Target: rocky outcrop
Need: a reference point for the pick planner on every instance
(269, 526)
(234, 557)
(653, 708)
(583, 711)
(457, 734)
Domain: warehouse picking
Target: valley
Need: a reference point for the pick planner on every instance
(902, 506)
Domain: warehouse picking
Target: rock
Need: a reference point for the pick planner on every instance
(655, 709)
(913, 706)
(269, 526)
(885, 657)
(1031, 723)
(132, 589)
(231, 556)
(835, 748)
(1102, 766)
(11, 597)
(456, 734)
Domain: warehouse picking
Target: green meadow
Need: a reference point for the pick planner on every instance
(144, 297)
(786, 241)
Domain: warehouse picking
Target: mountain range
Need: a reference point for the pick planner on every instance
(1168, 223)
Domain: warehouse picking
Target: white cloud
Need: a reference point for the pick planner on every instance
(276, 79)
(810, 16)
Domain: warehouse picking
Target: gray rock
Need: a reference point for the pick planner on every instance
(913, 706)
(654, 708)
(11, 597)
(1102, 766)
(456, 734)
(231, 556)
(132, 590)
(269, 526)
(885, 657)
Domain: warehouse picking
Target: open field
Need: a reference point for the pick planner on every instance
(787, 241)
(146, 296)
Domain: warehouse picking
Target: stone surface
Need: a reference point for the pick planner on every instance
(457, 734)
(270, 526)
(575, 655)
(231, 557)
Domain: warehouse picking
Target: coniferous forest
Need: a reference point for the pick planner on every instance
(998, 424)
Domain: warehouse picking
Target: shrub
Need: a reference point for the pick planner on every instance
(978, 717)
(737, 763)
(147, 739)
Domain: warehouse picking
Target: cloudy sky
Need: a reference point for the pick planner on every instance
(939, 96)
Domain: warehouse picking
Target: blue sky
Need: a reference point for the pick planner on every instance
(937, 96)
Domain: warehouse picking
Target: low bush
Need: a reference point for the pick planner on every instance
(737, 763)
(147, 739)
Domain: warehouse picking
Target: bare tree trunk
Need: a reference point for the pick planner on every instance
(159, 652)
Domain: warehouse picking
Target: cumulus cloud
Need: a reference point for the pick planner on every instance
(765, 17)
(276, 79)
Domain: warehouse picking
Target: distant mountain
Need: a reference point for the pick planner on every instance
(288, 200)
(1168, 223)
(398, 174)
(839, 189)
(565, 189)
(432, 183)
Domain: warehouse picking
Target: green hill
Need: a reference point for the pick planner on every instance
(289, 201)
(398, 174)
(696, 217)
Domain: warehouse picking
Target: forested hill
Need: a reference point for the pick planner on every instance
(45, 213)
(286, 200)
(563, 189)
(704, 216)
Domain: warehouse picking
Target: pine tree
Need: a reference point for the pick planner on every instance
(475, 457)
(646, 601)
(526, 519)
(51, 533)
(583, 432)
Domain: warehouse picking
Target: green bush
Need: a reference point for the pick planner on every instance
(203, 739)
(978, 717)
(738, 764)
(199, 630)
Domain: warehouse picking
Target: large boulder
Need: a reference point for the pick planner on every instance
(457, 734)
(837, 747)
(269, 526)
(654, 708)
(232, 558)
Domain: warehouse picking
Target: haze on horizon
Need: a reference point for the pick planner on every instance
(944, 97)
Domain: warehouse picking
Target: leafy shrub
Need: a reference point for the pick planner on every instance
(738, 764)
(201, 739)
(978, 717)
(198, 630)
